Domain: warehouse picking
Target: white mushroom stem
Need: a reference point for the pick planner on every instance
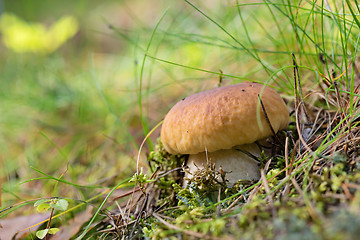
(236, 163)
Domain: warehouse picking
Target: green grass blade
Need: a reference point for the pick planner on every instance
(140, 102)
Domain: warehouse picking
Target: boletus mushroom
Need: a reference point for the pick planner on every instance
(222, 125)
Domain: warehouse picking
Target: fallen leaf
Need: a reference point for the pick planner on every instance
(10, 227)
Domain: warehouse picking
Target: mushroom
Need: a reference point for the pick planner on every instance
(222, 125)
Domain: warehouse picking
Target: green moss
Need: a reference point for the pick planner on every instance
(301, 212)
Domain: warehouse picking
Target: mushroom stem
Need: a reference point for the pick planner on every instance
(237, 163)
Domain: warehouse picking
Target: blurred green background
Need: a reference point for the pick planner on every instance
(70, 109)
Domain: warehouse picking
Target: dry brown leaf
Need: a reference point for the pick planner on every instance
(10, 227)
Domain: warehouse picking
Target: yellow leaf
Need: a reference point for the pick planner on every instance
(21, 36)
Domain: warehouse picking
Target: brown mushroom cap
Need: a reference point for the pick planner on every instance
(222, 118)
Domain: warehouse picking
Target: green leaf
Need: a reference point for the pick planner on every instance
(53, 230)
(43, 207)
(60, 204)
(41, 201)
(42, 233)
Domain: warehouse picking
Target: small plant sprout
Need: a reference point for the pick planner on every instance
(44, 205)
(140, 179)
